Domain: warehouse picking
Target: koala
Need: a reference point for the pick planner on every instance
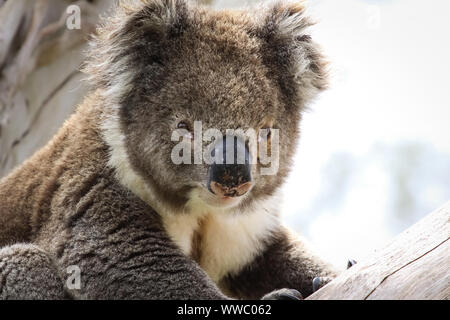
(105, 195)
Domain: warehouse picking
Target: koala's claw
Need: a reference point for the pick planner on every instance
(319, 282)
(350, 263)
(283, 294)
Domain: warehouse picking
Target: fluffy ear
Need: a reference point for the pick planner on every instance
(293, 58)
(131, 41)
(159, 18)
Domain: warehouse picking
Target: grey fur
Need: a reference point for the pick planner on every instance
(27, 272)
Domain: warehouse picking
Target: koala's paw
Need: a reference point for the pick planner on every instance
(319, 282)
(283, 294)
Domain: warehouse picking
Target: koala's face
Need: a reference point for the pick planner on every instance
(209, 102)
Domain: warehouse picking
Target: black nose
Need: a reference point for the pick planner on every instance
(230, 174)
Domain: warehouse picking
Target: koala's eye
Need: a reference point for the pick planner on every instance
(183, 125)
(265, 128)
(264, 141)
(265, 133)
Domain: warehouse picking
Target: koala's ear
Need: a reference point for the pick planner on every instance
(285, 20)
(287, 49)
(132, 40)
(157, 18)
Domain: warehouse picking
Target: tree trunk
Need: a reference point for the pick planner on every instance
(40, 84)
(415, 265)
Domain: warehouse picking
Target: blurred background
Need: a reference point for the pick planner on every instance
(374, 156)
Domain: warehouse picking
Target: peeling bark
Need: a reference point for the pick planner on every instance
(40, 84)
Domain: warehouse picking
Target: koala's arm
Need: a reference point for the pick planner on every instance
(123, 252)
(284, 263)
(27, 272)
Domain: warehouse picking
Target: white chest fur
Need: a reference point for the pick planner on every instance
(229, 241)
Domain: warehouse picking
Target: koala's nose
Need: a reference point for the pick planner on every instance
(230, 173)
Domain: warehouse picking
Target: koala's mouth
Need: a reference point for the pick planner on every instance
(220, 198)
(227, 192)
(219, 201)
